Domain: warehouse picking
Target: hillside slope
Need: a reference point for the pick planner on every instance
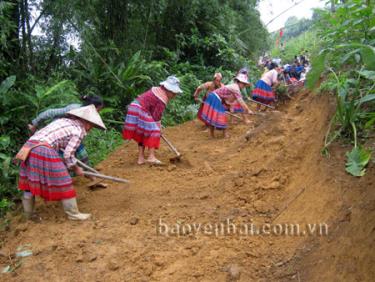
(277, 176)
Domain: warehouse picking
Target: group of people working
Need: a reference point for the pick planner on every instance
(294, 72)
(52, 151)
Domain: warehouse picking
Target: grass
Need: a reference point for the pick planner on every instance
(100, 143)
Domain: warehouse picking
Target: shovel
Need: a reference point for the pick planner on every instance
(173, 149)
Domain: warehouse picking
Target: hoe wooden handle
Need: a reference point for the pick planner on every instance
(170, 145)
(98, 175)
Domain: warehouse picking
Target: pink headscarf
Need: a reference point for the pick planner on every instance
(161, 94)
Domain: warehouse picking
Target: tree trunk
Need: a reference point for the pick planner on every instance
(55, 49)
(29, 43)
(147, 24)
(11, 52)
(119, 21)
(114, 20)
(24, 57)
(37, 20)
(333, 7)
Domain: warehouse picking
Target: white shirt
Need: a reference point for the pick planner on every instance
(270, 77)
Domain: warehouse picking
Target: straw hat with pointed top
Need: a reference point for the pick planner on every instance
(90, 114)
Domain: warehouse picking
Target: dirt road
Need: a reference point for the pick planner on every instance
(176, 223)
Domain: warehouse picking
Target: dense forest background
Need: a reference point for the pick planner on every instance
(117, 49)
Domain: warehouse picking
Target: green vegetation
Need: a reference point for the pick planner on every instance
(305, 42)
(340, 42)
(347, 57)
(99, 144)
(51, 53)
(298, 37)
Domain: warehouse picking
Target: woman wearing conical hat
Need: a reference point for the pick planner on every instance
(220, 100)
(43, 173)
(52, 114)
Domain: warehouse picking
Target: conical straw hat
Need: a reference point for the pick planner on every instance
(90, 114)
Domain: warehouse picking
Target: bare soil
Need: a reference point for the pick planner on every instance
(277, 176)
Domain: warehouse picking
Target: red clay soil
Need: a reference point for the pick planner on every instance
(276, 177)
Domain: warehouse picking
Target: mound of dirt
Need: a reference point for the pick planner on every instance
(199, 219)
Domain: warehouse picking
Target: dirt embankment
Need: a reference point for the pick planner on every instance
(187, 222)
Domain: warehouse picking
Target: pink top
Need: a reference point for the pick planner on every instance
(65, 134)
(229, 93)
(270, 77)
(152, 103)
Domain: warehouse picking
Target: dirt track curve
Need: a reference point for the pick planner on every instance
(277, 176)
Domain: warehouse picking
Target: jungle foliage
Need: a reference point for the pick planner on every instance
(54, 51)
(346, 59)
(340, 43)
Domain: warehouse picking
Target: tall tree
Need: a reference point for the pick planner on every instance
(10, 47)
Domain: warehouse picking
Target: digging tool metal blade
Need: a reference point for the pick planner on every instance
(173, 149)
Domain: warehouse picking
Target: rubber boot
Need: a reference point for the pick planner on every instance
(71, 209)
(28, 202)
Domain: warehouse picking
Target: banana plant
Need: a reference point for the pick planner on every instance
(59, 94)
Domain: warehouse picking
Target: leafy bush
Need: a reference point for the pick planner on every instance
(347, 40)
(5, 204)
(99, 144)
